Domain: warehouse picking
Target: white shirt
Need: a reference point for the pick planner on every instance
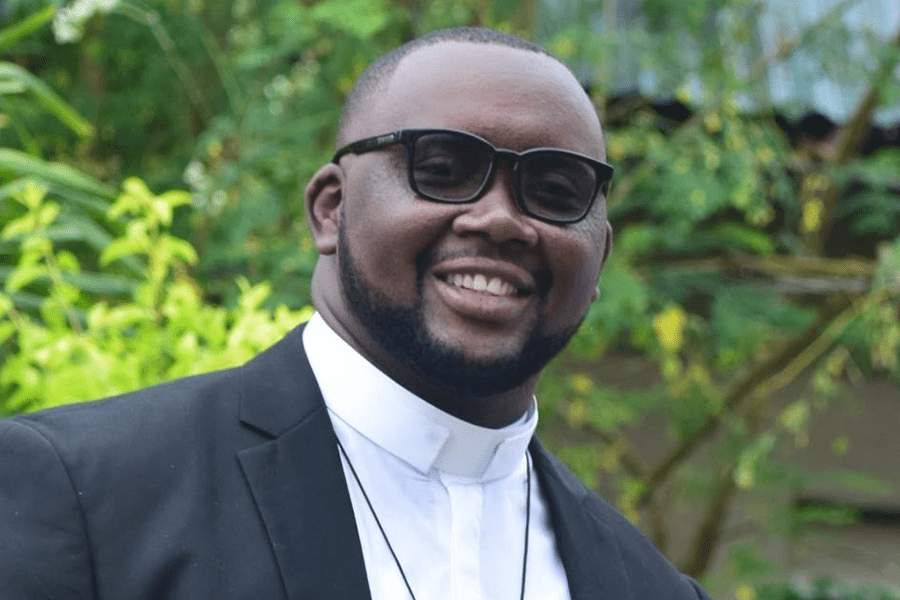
(449, 494)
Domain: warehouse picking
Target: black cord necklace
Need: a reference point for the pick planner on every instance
(391, 548)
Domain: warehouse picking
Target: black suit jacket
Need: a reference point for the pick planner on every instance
(229, 485)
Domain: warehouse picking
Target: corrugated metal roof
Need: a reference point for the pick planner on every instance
(802, 83)
(828, 72)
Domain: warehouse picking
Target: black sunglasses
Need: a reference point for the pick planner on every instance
(456, 167)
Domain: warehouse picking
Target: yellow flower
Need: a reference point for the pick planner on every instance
(841, 445)
(684, 95)
(578, 412)
(812, 215)
(616, 147)
(744, 476)
(745, 592)
(734, 141)
(582, 383)
(564, 47)
(765, 155)
(669, 326)
(712, 122)
(712, 159)
(214, 150)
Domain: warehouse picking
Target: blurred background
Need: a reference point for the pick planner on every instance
(736, 389)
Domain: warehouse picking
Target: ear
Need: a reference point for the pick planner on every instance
(609, 239)
(324, 194)
(606, 250)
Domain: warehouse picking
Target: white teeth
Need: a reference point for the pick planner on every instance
(480, 283)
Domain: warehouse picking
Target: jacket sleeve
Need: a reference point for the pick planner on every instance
(44, 547)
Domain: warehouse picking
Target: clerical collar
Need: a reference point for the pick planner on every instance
(404, 424)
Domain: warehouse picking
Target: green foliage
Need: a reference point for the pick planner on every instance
(81, 346)
(746, 321)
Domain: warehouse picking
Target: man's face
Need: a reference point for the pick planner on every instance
(473, 298)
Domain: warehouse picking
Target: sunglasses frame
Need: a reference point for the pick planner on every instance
(407, 137)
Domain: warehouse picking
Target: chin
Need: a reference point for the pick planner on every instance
(441, 360)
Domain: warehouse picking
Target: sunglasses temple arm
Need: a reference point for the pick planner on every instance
(367, 145)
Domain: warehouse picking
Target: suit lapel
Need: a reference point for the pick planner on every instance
(592, 560)
(297, 480)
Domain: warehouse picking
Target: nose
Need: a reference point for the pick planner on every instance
(496, 215)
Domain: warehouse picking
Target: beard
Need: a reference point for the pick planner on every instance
(400, 329)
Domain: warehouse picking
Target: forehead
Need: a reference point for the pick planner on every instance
(515, 98)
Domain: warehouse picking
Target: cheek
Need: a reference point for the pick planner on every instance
(575, 263)
(388, 228)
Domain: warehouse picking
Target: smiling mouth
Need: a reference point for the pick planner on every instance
(493, 286)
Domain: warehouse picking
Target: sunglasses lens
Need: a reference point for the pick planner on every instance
(449, 166)
(556, 186)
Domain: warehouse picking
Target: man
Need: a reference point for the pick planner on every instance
(385, 450)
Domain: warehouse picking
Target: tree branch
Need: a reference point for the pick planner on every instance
(627, 456)
(707, 536)
(848, 140)
(747, 386)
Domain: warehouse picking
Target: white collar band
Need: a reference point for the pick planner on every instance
(402, 423)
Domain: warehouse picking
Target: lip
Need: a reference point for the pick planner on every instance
(481, 305)
(521, 279)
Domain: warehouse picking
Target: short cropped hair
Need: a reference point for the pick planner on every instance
(376, 76)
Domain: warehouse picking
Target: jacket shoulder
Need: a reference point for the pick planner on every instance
(140, 416)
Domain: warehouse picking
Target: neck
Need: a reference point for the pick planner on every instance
(491, 411)
(494, 411)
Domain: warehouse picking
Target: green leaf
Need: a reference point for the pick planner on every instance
(6, 305)
(25, 300)
(742, 319)
(101, 283)
(362, 18)
(135, 199)
(745, 473)
(252, 297)
(53, 173)
(11, 88)
(18, 227)
(14, 188)
(7, 329)
(749, 560)
(878, 171)
(175, 198)
(163, 211)
(77, 228)
(15, 32)
(48, 214)
(120, 247)
(742, 237)
(47, 98)
(183, 250)
(33, 195)
(826, 515)
(24, 275)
